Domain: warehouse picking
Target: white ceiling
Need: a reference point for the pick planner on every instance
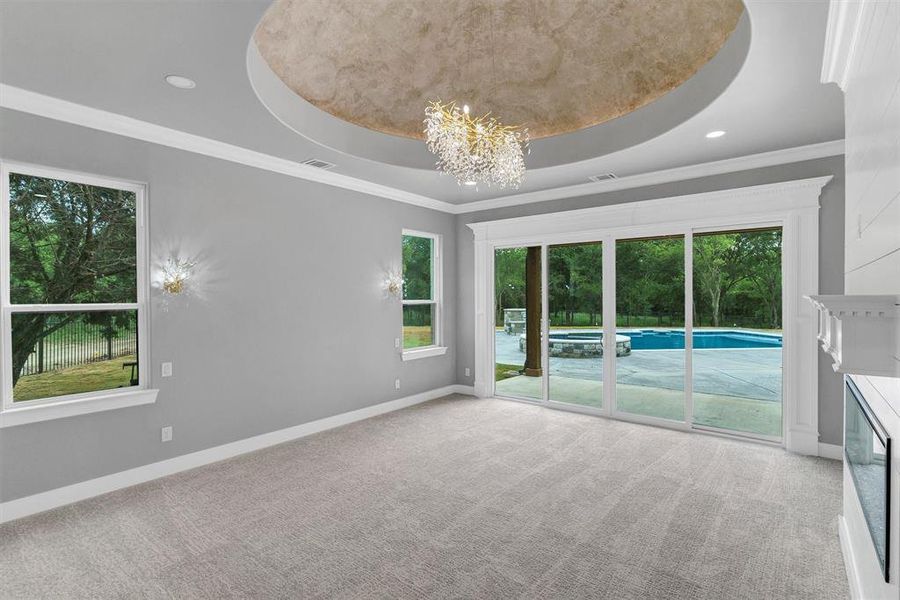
(114, 56)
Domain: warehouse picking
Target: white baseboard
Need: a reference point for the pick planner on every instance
(29, 505)
(832, 451)
(467, 390)
(802, 441)
(849, 560)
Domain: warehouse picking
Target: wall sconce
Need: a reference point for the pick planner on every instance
(176, 273)
(393, 284)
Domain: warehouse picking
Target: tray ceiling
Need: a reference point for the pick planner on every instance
(552, 66)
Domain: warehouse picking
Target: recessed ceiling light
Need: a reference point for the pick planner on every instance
(715, 134)
(182, 83)
(471, 183)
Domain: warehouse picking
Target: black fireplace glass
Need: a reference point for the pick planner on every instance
(868, 451)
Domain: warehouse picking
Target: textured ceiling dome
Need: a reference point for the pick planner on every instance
(554, 66)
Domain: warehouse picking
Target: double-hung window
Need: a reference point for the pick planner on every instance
(421, 295)
(73, 294)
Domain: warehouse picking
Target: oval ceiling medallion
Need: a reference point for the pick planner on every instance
(551, 66)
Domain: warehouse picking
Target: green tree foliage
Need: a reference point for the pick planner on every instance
(417, 264)
(650, 280)
(738, 274)
(737, 281)
(720, 263)
(70, 243)
(509, 280)
(575, 283)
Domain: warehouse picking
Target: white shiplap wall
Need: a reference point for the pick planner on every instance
(872, 133)
(862, 55)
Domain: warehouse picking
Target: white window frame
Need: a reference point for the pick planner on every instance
(30, 411)
(437, 280)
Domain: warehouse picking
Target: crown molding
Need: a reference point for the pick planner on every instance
(719, 167)
(844, 18)
(22, 100)
(765, 202)
(41, 105)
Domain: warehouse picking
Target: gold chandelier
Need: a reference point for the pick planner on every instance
(475, 149)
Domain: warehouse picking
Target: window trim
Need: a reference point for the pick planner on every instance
(437, 348)
(55, 407)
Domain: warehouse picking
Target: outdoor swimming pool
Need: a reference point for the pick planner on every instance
(662, 339)
(729, 363)
(655, 339)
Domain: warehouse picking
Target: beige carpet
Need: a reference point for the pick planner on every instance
(458, 498)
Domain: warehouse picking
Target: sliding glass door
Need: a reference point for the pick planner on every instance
(650, 322)
(560, 333)
(518, 363)
(575, 346)
(737, 355)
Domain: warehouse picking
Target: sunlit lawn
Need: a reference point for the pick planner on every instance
(503, 371)
(416, 336)
(89, 377)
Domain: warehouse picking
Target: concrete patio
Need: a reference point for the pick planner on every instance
(738, 389)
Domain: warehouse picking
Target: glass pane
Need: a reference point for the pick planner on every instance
(575, 289)
(650, 325)
(737, 355)
(418, 325)
(55, 354)
(866, 448)
(517, 335)
(417, 253)
(70, 243)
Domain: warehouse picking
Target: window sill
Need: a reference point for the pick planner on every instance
(21, 415)
(424, 352)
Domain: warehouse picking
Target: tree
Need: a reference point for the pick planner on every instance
(764, 252)
(509, 280)
(650, 278)
(720, 262)
(740, 271)
(416, 267)
(70, 243)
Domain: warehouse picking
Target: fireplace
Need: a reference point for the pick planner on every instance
(867, 450)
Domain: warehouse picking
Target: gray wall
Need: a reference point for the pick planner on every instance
(292, 324)
(831, 258)
(281, 335)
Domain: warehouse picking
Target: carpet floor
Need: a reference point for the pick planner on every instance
(455, 498)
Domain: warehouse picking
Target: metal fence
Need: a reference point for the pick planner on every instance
(79, 343)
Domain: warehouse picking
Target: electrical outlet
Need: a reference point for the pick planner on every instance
(166, 433)
(167, 369)
(396, 384)
(396, 342)
(468, 371)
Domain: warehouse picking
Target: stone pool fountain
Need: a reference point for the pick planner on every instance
(581, 343)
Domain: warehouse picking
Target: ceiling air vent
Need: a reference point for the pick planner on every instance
(603, 177)
(319, 164)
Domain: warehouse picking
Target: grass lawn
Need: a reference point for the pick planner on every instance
(89, 377)
(416, 336)
(502, 371)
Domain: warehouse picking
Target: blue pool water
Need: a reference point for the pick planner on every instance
(654, 339)
(649, 339)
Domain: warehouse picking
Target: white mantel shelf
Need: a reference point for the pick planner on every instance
(861, 333)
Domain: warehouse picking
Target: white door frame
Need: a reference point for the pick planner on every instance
(793, 205)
